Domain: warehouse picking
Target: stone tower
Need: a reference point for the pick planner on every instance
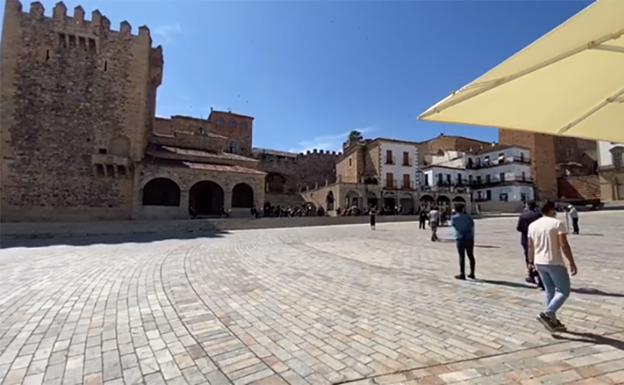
(78, 103)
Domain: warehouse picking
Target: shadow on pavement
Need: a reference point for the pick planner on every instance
(43, 240)
(590, 338)
(580, 290)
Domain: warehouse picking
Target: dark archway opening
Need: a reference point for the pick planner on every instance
(330, 201)
(242, 196)
(206, 198)
(161, 192)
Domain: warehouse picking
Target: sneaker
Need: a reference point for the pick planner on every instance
(529, 280)
(460, 276)
(548, 323)
(559, 327)
(471, 276)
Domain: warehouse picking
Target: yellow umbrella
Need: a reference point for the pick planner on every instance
(569, 82)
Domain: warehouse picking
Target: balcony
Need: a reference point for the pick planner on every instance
(494, 163)
(498, 182)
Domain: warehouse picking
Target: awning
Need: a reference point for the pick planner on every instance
(569, 82)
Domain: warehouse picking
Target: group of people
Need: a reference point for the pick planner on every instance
(547, 252)
(304, 210)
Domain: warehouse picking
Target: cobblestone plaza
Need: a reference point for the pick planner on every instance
(315, 305)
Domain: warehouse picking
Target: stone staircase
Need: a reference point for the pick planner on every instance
(285, 199)
(579, 188)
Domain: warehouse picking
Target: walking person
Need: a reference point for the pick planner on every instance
(548, 246)
(530, 215)
(434, 221)
(422, 219)
(464, 237)
(372, 213)
(573, 213)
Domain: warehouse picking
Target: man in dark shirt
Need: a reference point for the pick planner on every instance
(530, 215)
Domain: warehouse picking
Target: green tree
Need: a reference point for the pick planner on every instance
(353, 138)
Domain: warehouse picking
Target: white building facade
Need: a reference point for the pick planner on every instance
(500, 174)
(398, 164)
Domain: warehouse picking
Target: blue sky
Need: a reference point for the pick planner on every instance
(310, 72)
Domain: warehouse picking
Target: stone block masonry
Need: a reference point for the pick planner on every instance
(73, 91)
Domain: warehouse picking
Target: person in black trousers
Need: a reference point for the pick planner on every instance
(372, 214)
(422, 219)
(464, 237)
(530, 215)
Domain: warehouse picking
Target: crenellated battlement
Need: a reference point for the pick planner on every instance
(98, 25)
(315, 153)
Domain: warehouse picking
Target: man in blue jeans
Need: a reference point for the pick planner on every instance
(464, 236)
(548, 245)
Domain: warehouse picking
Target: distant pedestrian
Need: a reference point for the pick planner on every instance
(464, 237)
(422, 217)
(548, 246)
(372, 213)
(530, 215)
(434, 221)
(573, 213)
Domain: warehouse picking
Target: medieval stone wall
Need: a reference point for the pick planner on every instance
(72, 89)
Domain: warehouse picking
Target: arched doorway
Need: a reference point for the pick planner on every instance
(206, 198)
(459, 201)
(444, 203)
(275, 183)
(242, 196)
(329, 201)
(426, 202)
(161, 192)
(352, 199)
(372, 200)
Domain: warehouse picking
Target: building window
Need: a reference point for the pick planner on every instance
(389, 180)
(523, 176)
(232, 123)
(501, 158)
(426, 179)
(459, 179)
(243, 125)
(503, 197)
(486, 161)
(478, 162)
(234, 148)
(389, 157)
(448, 179)
(470, 179)
(522, 157)
(487, 178)
(617, 158)
(488, 195)
(502, 176)
(523, 197)
(406, 181)
(440, 176)
(350, 162)
(478, 179)
(406, 161)
(220, 122)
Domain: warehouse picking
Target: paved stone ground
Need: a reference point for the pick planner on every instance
(322, 305)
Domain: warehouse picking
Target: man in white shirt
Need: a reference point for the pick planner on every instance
(434, 221)
(548, 245)
(573, 213)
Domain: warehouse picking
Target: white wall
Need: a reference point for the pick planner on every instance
(605, 157)
(511, 170)
(514, 193)
(508, 153)
(397, 169)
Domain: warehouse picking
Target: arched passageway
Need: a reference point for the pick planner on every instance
(329, 201)
(206, 198)
(242, 196)
(161, 192)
